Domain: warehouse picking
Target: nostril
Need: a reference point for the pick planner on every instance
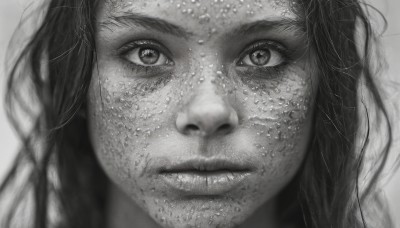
(225, 128)
(192, 127)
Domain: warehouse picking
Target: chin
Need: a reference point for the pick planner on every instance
(202, 213)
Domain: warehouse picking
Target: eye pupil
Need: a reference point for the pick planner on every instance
(149, 56)
(260, 57)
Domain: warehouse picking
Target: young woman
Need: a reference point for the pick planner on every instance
(188, 113)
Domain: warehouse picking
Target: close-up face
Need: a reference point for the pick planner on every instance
(200, 111)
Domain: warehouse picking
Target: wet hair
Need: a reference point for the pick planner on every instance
(62, 174)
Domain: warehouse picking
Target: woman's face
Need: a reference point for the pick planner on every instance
(200, 111)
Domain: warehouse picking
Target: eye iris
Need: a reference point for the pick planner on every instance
(149, 56)
(260, 57)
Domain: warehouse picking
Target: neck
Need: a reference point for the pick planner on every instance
(123, 212)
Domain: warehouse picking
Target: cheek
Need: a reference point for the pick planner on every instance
(279, 116)
(124, 117)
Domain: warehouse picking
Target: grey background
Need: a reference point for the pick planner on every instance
(12, 10)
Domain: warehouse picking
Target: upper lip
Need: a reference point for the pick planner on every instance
(205, 165)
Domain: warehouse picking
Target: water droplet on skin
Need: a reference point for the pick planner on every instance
(200, 42)
(205, 18)
(263, 171)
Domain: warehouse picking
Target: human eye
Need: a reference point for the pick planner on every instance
(146, 56)
(266, 54)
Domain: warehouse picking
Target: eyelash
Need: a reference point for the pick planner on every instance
(268, 44)
(259, 71)
(125, 49)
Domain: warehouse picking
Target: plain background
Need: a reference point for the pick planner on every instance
(10, 14)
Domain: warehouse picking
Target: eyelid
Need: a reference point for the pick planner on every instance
(124, 49)
(274, 45)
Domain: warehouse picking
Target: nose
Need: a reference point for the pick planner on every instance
(207, 114)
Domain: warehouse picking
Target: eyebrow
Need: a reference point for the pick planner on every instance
(128, 19)
(280, 24)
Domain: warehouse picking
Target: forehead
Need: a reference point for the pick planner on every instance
(201, 13)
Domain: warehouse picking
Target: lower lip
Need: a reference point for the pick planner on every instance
(204, 183)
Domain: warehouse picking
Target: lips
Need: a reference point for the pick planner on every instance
(203, 177)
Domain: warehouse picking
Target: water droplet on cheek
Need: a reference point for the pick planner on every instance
(205, 18)
(167, 100)
(213, 31)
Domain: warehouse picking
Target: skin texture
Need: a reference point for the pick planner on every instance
(204, 101)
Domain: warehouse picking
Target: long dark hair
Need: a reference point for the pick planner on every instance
(62, 173)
